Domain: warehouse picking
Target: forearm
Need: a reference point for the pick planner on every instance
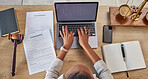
(91, 53)
(54, 69)
(102, 70)
(62, 53)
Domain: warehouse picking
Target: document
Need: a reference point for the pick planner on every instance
(37, 21)
(39, 51)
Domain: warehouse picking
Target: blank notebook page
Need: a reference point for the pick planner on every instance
(113, 57)
(134, 55)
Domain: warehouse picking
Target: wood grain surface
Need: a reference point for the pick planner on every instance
(74, 56)
(117, 20)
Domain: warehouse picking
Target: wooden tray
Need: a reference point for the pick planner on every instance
(117, 20)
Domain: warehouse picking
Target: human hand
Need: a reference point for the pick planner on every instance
(83, 37)
(67, 38)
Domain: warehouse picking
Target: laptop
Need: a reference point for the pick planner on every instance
(76, 15)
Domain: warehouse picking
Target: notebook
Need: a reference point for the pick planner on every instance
(8, 22)
(128, 58)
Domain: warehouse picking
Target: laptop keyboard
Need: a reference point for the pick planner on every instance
(74, 27)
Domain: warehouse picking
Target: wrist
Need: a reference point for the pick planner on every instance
(66, 47)
(63, 49)
(86, 46)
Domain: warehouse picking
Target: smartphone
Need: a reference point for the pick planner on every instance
(107, 34)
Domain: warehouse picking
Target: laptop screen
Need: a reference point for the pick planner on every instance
(76, 11)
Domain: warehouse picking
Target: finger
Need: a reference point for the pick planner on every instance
(61, 34)
(78, 39)
(85, 30)
(88, 33)
(63, 30)
(79, 33)
(67, 31)
(70, 32)
(82, 31)
(73, 34)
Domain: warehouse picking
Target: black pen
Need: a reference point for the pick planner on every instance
(123, 53)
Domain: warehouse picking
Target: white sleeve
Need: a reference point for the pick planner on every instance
(54, 69)
(102, 70)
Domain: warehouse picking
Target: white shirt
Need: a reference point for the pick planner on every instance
(100, 67)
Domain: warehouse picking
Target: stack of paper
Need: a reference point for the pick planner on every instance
(38, 41)
(38, 21)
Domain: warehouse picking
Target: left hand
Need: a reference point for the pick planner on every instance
(67, 38)
(83, 37)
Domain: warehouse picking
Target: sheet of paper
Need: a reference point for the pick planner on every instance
(39, 51)
(37, 21)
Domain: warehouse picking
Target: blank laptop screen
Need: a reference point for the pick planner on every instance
(76, 11)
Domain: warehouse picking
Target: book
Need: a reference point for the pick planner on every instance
(8, 22)
(123, 56)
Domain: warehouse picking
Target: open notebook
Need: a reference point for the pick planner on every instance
(113, 56)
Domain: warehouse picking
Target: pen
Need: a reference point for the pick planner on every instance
(123, 53)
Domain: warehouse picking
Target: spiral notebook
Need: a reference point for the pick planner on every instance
(117, 61)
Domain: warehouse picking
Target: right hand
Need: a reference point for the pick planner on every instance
(83, 37)
(67, 38)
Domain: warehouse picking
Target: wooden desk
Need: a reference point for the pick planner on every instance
(75, 56)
